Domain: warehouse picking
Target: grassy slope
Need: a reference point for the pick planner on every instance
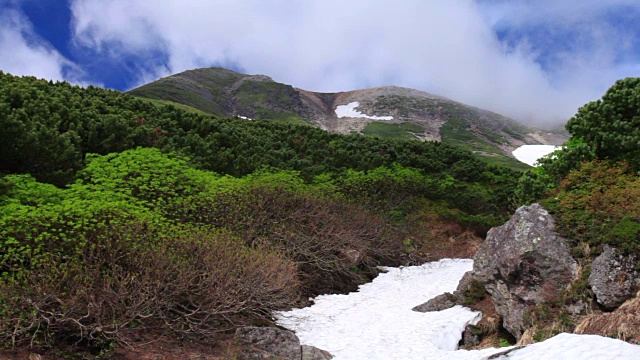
(180, 106)
(381, 129)
(216, 91)
(456, 133)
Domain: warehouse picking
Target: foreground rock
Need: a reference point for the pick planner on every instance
(523, 263)
(438, 303)
(313, 353)
(613, 278)
(266, 343)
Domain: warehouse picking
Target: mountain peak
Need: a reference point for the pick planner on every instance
(386, 111)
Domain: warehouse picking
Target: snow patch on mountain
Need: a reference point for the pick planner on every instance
(529, 154)
(349, 111)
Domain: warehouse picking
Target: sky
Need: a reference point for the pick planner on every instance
(537, 61)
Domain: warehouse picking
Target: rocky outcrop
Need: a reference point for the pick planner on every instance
(523, 263)
(613, 278)
(438, 303)
(449, 300)
(471, 336)
(262, 343)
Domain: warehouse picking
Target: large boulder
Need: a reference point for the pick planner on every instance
(613, 278)
(523, 263)
(266, 343)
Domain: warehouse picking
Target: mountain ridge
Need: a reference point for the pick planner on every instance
(408, 113)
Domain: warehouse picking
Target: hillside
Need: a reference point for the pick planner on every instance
(388, 111)
(124, 221)
(169, 220)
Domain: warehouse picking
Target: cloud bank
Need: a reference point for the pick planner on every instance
(24, 53)
(536, 61)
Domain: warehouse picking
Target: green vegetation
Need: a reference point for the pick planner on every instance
(184, 107)
(592, 187)
(599, 204)
(610, 127)
(505, 161)
(120, 215)
(285, 117)
(592, 183)
(403, 130)
(456, 132)
(475, 293)
(222, 92)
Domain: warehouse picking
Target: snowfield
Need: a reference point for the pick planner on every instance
(351, 112)
(577, 347)
(529, 154)
(377, 322)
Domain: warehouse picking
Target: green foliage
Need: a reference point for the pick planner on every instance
(386, 130)
(599, 204)
(474, 294)
(161, 103)
(532, 186)
(606, 129)
(286, 117)
(49, 128)
(152, 197)
(627, 232)
(611, 126)
(504, 342)
(557, 165)
(458, 132)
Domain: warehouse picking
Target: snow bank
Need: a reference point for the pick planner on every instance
(529, 154)
(577, 347)
(377, 322)
(350, 111)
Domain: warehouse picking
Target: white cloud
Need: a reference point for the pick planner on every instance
(24, 53)
(442, 46)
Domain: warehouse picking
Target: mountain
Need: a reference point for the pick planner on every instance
(387, 111)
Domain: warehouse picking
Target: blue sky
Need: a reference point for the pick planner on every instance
(536, 61)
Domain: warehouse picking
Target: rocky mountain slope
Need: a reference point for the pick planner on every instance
(388, 111)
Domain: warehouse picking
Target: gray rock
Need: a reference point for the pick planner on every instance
(471, 335)
(268, 343)
(438, 303)
(577, 308)
(313, 353)
(613, 278)
(465, 282)
(271, 343)
(523, 263)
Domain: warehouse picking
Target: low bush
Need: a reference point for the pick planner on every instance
(185, 281)
(598, 204)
